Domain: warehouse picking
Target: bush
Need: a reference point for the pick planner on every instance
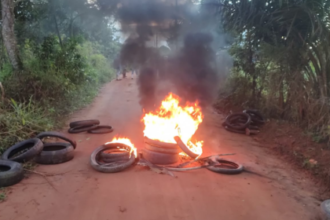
(55, 81)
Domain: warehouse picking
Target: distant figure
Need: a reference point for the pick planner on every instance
(134, 71)
(118, 67)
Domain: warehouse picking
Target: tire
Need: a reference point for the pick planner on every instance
(256, 116)
(81, 129)
(218, 165)
(97, 131)
(230, 121)
(235, 130)
(160, 158)
(114, 155)
(184, 148)
(58, 135)
(32, 146)
(160, 144)
(162, 150)
(113, 168)
(55, 153)
(119, 159)
(11, 173)
(84, 123)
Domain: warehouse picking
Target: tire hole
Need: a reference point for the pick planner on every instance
(4, 168)
(53, 148)
(20, 150)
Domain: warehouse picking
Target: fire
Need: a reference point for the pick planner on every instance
(125, 141)
(172, 120)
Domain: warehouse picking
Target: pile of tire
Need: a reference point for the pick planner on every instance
(112, 157)
(11, 169)
(248, 122)
(157, 152)
(91, 126)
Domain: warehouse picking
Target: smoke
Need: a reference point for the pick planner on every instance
(193, 71)
(147, 87)
(192, 67)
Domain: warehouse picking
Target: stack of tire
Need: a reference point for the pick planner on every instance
(112, 158)
(157, 152)
(248, 122)
(91, 126)
(11, 169)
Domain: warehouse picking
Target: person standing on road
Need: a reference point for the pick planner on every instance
(134, 71)
(118, 67)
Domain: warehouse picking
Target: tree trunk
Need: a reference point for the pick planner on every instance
(8, 33)
(58, 31)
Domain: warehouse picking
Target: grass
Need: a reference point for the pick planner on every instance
(3, 194)
(20, 121)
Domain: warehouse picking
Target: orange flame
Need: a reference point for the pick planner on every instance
(125, 141)
(172, 120)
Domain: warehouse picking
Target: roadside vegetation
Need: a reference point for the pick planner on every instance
(281, 59)
(282, 67)
(60, 55)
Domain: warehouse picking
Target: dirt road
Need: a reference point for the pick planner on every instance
(81, 193)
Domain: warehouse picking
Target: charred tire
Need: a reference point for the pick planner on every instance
(219, 165)
(160, 144)
(255, 116)
(55, 153)
(57, 135)
(162, 150)
(32, 148)
(76, 130)
(230, 120)
(184, 148)
(96, 163)
(114, 155)
(119, 159)
(11, 173)
(160, 158)
(101, 129)
(84, 123)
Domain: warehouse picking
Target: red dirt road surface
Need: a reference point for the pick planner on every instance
(77, 192)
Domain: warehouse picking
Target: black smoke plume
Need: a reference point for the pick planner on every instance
(191, 70)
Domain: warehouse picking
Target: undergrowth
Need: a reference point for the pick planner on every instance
(55, 81)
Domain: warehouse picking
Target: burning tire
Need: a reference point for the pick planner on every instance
(119, 160)
(101, 129)
(161, 144)
(76, 130)
(84, 123)
(57, 135)
(24, 151)
(219, 165)
(163, 150)
(11, 173)
(184, 148)
(114, 156)
(160, 158)
(55, 153)
(96, 160)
